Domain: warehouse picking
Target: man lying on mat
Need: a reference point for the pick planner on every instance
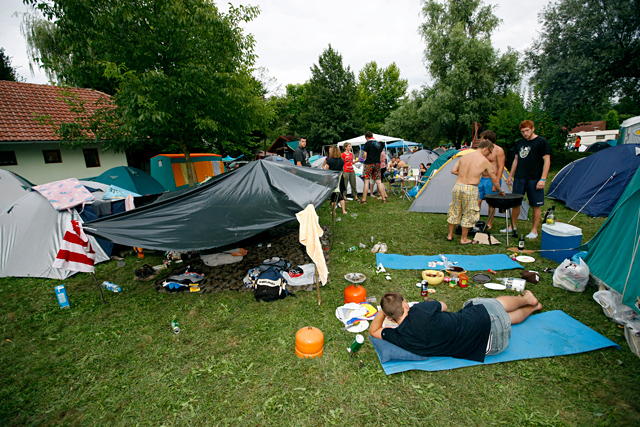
(482, 327)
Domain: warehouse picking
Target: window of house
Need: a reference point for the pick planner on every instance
(91, 157)
(8, 158)
(52, 156)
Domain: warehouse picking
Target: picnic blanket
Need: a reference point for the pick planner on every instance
(468, 262)
(552, 333)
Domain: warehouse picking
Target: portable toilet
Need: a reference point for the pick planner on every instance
(170, 170)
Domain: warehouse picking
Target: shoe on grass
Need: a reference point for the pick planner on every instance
(510, 230)
(531, 236)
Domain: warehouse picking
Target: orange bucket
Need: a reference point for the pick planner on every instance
(309, 342)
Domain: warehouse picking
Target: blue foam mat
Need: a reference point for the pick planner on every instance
(552, 333)
(468, 262)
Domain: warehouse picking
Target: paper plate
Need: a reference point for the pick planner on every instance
(495, 286)
(360, 327)
(525, 258)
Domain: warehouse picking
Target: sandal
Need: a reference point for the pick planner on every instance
(361, 202)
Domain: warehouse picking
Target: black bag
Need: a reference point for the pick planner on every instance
(270, 286)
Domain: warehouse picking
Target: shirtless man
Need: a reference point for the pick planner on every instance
(497, 160)
(464, 209)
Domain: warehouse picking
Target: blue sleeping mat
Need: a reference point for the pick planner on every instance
(552, 333)
(468, 262)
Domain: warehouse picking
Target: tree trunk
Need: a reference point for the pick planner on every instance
(191, 173)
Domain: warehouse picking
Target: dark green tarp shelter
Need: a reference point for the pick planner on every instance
(222, 211)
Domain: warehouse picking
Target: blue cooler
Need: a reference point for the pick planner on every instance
(560, 236)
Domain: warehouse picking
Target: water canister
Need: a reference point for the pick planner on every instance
(564, 237)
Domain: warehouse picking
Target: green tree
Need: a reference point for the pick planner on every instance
(288, 111)
(182, 70)
(469, 75)
(612, 120)
(588, 52)
(7, 71)
(331, 114)
(380, 91)
(505, 120)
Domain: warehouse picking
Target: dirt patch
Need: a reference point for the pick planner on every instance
(281, 242)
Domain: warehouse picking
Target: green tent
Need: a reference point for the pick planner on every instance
(613, 252)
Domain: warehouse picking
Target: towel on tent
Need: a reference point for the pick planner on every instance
(552, 333)
(65, 194)
(310, 232)
(76, 253)
(468, 262)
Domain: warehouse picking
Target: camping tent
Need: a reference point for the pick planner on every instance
(31, 232)
(222, 211)
(130, 179)
(613, 252)
(360, 140)
(423, 156)
(597, 146)
(593, 185)
(630, 131)
(12, 187)
(435, 196)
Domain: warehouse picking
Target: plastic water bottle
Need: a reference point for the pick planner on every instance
(111, 286)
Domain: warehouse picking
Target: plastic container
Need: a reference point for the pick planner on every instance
(111, 286)
(561, 236)
(309, 342)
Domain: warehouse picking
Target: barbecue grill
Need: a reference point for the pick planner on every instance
(504, 203)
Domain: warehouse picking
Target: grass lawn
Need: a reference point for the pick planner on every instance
(234, 364)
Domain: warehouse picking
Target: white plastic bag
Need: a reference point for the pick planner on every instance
(611, 303)
(571, 276)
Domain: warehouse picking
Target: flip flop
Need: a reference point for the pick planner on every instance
(361, 202)
(449, 239)
(473, 242)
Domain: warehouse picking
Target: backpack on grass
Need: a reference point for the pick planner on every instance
(270, 286)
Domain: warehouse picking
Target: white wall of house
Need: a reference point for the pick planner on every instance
(31, 163)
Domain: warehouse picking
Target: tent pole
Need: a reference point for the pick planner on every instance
(318, 285)
(99, 287)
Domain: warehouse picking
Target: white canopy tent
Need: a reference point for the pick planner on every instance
(360, 140)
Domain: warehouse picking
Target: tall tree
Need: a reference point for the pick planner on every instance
(181, 69)
(7, 71)
(380, 91)
(288, 111)
(331, 115)
(469, 74)
(588, 52)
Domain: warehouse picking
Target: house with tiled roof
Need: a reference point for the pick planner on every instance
(32, 149)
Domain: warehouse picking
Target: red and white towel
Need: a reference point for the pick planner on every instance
(76, 253)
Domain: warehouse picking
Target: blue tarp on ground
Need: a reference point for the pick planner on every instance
(593, 185)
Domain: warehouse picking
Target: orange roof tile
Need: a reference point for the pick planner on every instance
(21, 103)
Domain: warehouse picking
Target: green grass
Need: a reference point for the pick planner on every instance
(234, 364)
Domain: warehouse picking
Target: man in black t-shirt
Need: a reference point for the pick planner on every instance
(300, 155)
(371, 170)
(529, 174)
(482, 327)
